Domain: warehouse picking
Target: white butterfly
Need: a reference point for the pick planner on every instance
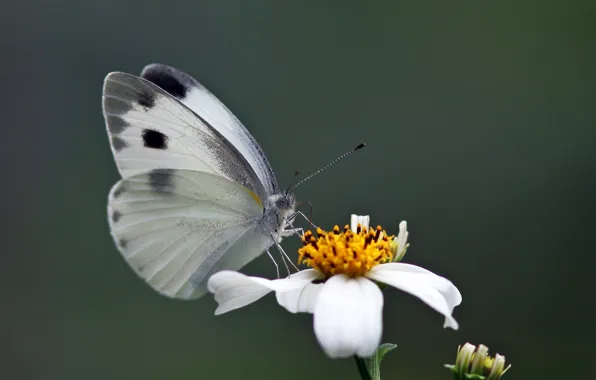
(197, 194)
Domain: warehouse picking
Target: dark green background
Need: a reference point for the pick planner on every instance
(479, 119)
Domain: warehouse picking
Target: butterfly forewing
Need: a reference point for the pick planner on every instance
(149, 129)
(196, 97)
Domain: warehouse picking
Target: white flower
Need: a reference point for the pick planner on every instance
(346, 304)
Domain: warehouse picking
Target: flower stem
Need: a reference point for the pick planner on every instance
(364, 375)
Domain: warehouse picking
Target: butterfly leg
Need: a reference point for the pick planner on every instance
(274, 263)
(284, 257)
(293, 231)
(295, 214)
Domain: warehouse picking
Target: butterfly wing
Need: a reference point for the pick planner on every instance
(177, 227)
(149, 129)
(196, 97)
(189, 203)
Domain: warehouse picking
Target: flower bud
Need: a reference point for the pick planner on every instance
(474, 363)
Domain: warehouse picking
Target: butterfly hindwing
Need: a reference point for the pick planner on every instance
(150, 129)
(196, 97)
(177, 227)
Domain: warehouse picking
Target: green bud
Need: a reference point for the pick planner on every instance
(474, 363)
(498, 368)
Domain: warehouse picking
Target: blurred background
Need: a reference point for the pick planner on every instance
(479, 119)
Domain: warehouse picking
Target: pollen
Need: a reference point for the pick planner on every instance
(345, 252)
(488, 364)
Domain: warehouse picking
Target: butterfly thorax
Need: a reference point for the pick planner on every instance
(276, 211)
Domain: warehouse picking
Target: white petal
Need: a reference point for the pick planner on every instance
(401, 240)
(363, 220)
(302, 294)
(300, 300)
(353, 222)
(436, 291)
(446, 287)
(233, 290)
(402, 237)
(348, 316)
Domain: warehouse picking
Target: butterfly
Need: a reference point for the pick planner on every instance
(197, 193)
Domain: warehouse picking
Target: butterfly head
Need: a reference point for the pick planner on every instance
(285, 201)
(278, 208)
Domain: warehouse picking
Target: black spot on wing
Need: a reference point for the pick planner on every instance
(173, 81)
(146, 99)
(162, 180)
(116, 124)
(122, 243)
(118, 94)
(155, 139)
(116, 215)
(167, 80)
(121, 189)
(118, 143)
(115, 105)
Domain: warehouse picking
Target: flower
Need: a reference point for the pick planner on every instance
(474, 363)
(341, 288)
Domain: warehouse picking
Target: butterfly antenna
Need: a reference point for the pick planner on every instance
(360, 146)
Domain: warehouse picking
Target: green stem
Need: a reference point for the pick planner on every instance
(364, 375)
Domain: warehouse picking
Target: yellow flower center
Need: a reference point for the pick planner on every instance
(488, 365)
(347, 252)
